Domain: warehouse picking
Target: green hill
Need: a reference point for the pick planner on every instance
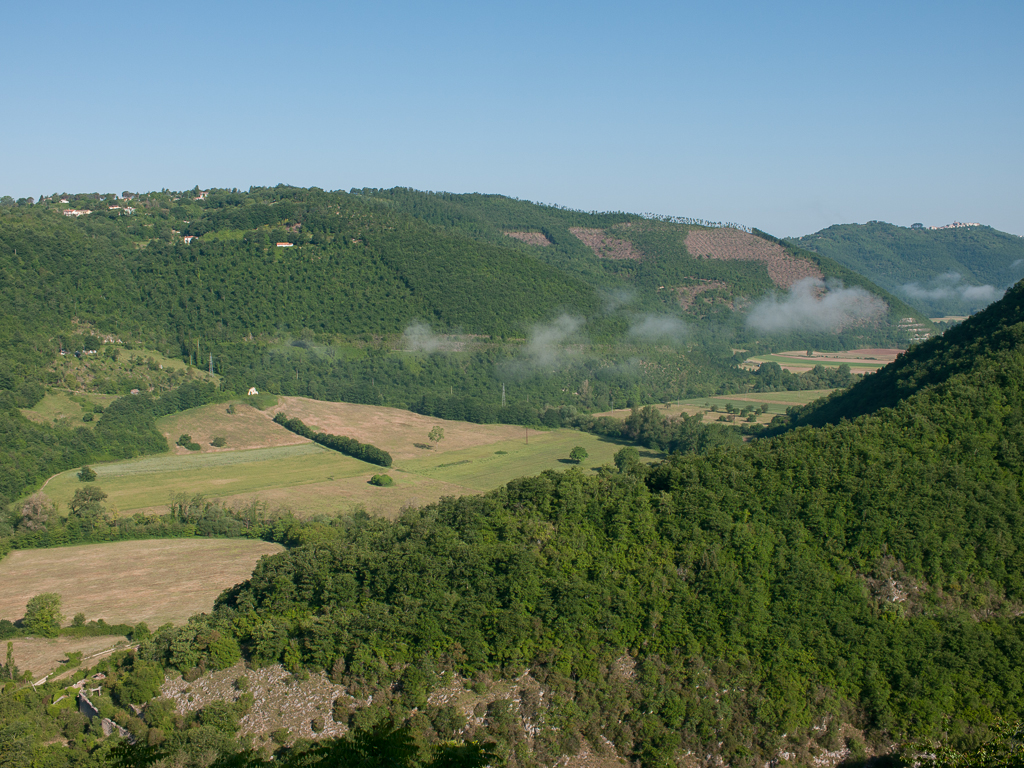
(863, 577)
(981, 347)
(941, 272)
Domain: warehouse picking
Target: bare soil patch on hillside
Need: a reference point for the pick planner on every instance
(530, 238)
(605, 246)
(394, 430)
(731, 244)
(125, 582)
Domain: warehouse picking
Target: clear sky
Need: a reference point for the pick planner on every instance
(787, 116)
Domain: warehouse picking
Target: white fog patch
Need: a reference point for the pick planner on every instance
(544, 349)
(950, 285)
(658, 328)
(811, 305)
(419, 338)
(617, 298)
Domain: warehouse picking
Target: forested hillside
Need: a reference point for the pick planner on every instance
(462, 306)
(950, 271)
(866, 576)
(831, 592)
(241, 276)
(981, 347)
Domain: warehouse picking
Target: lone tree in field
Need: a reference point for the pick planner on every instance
(87, 474)
(42, 615)
(578, 454)
(436, 435)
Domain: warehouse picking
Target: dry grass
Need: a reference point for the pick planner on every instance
(247, 427)
(40, 655)
(394, 430)
(156, 581)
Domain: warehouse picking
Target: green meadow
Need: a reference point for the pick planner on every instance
(309, 479)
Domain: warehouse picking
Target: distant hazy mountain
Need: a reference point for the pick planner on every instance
(954, 270)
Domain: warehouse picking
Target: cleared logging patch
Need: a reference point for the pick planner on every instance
(730, 244)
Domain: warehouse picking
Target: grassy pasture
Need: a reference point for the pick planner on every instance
(121, 582)
(155, 581)
(246, 428)
(777, 403)
(472, 458)
(58, 407)
(149, 484)
(40, 655)
(482, 468)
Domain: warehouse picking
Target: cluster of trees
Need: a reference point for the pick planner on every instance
(771, 377)
(346, 445)
(31, 452)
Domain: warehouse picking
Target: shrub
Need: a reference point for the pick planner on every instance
(280, 736)
(219, 442)
(382, 480)
(318, 724)
(185, 441)
(87, 474)
(87, 417)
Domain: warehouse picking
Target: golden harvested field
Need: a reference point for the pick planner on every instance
(40, 655)
(155, 581)
(247, 427)
(394, 430)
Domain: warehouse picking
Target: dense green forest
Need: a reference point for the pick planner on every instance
(385, 296)
(940, 272)
(849, 585)
(845, 588)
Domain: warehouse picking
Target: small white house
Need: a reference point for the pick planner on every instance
(252, 391)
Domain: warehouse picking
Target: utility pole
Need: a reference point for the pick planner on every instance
(502, 395)
(211, 363)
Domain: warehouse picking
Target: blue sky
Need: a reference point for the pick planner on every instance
(788, 116)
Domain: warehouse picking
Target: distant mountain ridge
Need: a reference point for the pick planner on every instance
(955, 269)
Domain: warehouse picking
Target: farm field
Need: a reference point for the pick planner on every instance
(122, 583)
(861, 361)
(58, 407)
(125, 582)
(777, 403)
(309, 479)
(40, 655)
(247, 427)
